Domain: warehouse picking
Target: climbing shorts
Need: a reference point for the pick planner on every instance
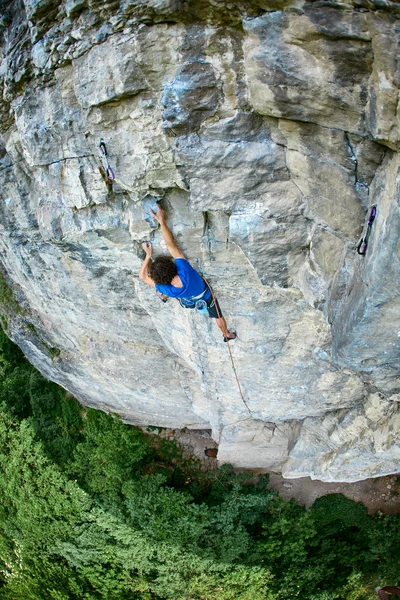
(212, 306)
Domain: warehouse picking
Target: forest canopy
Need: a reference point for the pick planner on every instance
(91, 508)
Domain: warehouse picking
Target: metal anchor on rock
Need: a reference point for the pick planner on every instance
(103, 152)
(362, 246)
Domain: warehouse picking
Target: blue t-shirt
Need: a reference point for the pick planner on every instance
(193, 284)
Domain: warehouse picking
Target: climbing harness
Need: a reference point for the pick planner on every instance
(103, 152)
(196, 302)
(227, 343)
(390, 590)
(362, 246)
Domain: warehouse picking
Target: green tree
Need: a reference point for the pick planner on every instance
(92, 509)
(14, 378)
(38, 508)
(109, 454)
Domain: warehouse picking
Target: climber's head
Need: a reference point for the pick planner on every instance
(162, 270)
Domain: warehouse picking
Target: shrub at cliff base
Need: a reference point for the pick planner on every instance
(91, 508)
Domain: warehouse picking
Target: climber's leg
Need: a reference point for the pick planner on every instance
(214, 312)
(223, 327)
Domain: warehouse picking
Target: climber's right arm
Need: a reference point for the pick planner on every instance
(167, 235)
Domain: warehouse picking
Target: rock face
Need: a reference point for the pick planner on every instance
(267, 130)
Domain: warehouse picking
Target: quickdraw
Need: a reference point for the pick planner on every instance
(103, 152)
(362, 246)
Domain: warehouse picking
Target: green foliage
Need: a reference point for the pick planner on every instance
(38, 508)
(9, 306)
(92, 509)
(110, 454)
(383, 543)
(335, 512)
(14, 377)
(56, 418)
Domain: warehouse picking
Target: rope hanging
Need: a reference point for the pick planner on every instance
(229, 348)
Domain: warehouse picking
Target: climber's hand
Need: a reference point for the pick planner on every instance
(159, 215)
(147, 247)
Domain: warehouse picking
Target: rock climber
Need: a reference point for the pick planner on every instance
(174, 277)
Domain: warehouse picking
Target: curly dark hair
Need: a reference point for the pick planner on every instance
(162, 270)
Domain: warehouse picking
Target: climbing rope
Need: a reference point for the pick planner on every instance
(229, 348)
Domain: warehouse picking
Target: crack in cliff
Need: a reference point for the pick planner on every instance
(54, 162)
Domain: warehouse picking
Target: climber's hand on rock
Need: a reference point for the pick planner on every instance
(147, 247)
(159, 215)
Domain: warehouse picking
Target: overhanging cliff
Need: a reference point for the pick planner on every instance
(268, 129)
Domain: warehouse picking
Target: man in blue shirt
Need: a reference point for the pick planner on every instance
(173, 276)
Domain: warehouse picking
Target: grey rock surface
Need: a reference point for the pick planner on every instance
(313, 66)
(266, 130)
(120, 75)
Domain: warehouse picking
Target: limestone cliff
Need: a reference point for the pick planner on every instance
(268, 128)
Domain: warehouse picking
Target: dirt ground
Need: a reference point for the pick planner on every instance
(378, 494)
